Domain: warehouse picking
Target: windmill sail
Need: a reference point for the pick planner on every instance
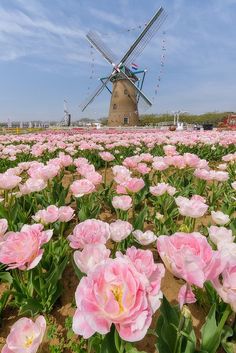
(98, 43)
(145, 102)
(144, 38)
(96, 92)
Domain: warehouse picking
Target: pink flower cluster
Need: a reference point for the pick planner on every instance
(190, 257)
(53, 214)
(91, 231)
(194, 207)
(162, 188)
(120, 291)
(23, 249)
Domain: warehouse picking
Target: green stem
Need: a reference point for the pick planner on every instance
(62, 230)
(5, 198)
(105, 175)
(114, 249)
(178, 339)
(133, 207)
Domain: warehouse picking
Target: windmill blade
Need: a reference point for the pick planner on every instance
(144, 38)
(97, 91)
(65, 106)
(96, 41)
(140, 95)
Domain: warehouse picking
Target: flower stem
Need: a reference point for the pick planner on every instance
(224, 317)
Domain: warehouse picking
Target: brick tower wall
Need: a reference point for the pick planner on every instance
(123, 107)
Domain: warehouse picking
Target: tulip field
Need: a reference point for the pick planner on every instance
(115, 241)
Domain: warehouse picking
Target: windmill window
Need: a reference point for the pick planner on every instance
(125, 91)
(116, 94)
(126, 121)
(114, 106)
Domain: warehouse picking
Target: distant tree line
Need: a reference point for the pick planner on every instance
(154, 119)
(211, 118)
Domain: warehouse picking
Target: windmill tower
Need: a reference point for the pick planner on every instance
(126, 92)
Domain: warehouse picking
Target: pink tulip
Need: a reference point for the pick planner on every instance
(234, 185)
(143, 168)
(134, 185)
(44, 172)
(94, 177)
(49, 215)
(115, 292)
(225, 286)
(91, 231)
(80, 161)
(203, 174)
(65, 213)
(144, 238)
(91, 256)
(25, 336)
(158, 189)
(153, 273)
(65, 159)
(132, 162)
(8, 181)
(120, 230)
(121, 174)
(23, 249)
(121, 189)
(194, 208)
(170, 150)
(186, 295)
(220, 217)
(106, 156)
(3, 226)
(189, 256)
(82, 187)
(162, 188)
(192, 160)
(146, 157)
(122, 202)
(160, 165)
(32, 185)
(228, 251)
(221, 176)
(84, 169)
(220, 235)
(198, 198)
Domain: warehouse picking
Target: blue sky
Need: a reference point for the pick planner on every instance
(45, 58)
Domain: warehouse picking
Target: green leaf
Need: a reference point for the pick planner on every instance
(229, 347)
(108, 344)
(3, 300)
(6, 277)
(83, 214)
(140, 218)
(210, 334)
(31, 307)
(167, 334)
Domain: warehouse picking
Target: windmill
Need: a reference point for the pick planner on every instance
(126, 93)
(67, 116)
